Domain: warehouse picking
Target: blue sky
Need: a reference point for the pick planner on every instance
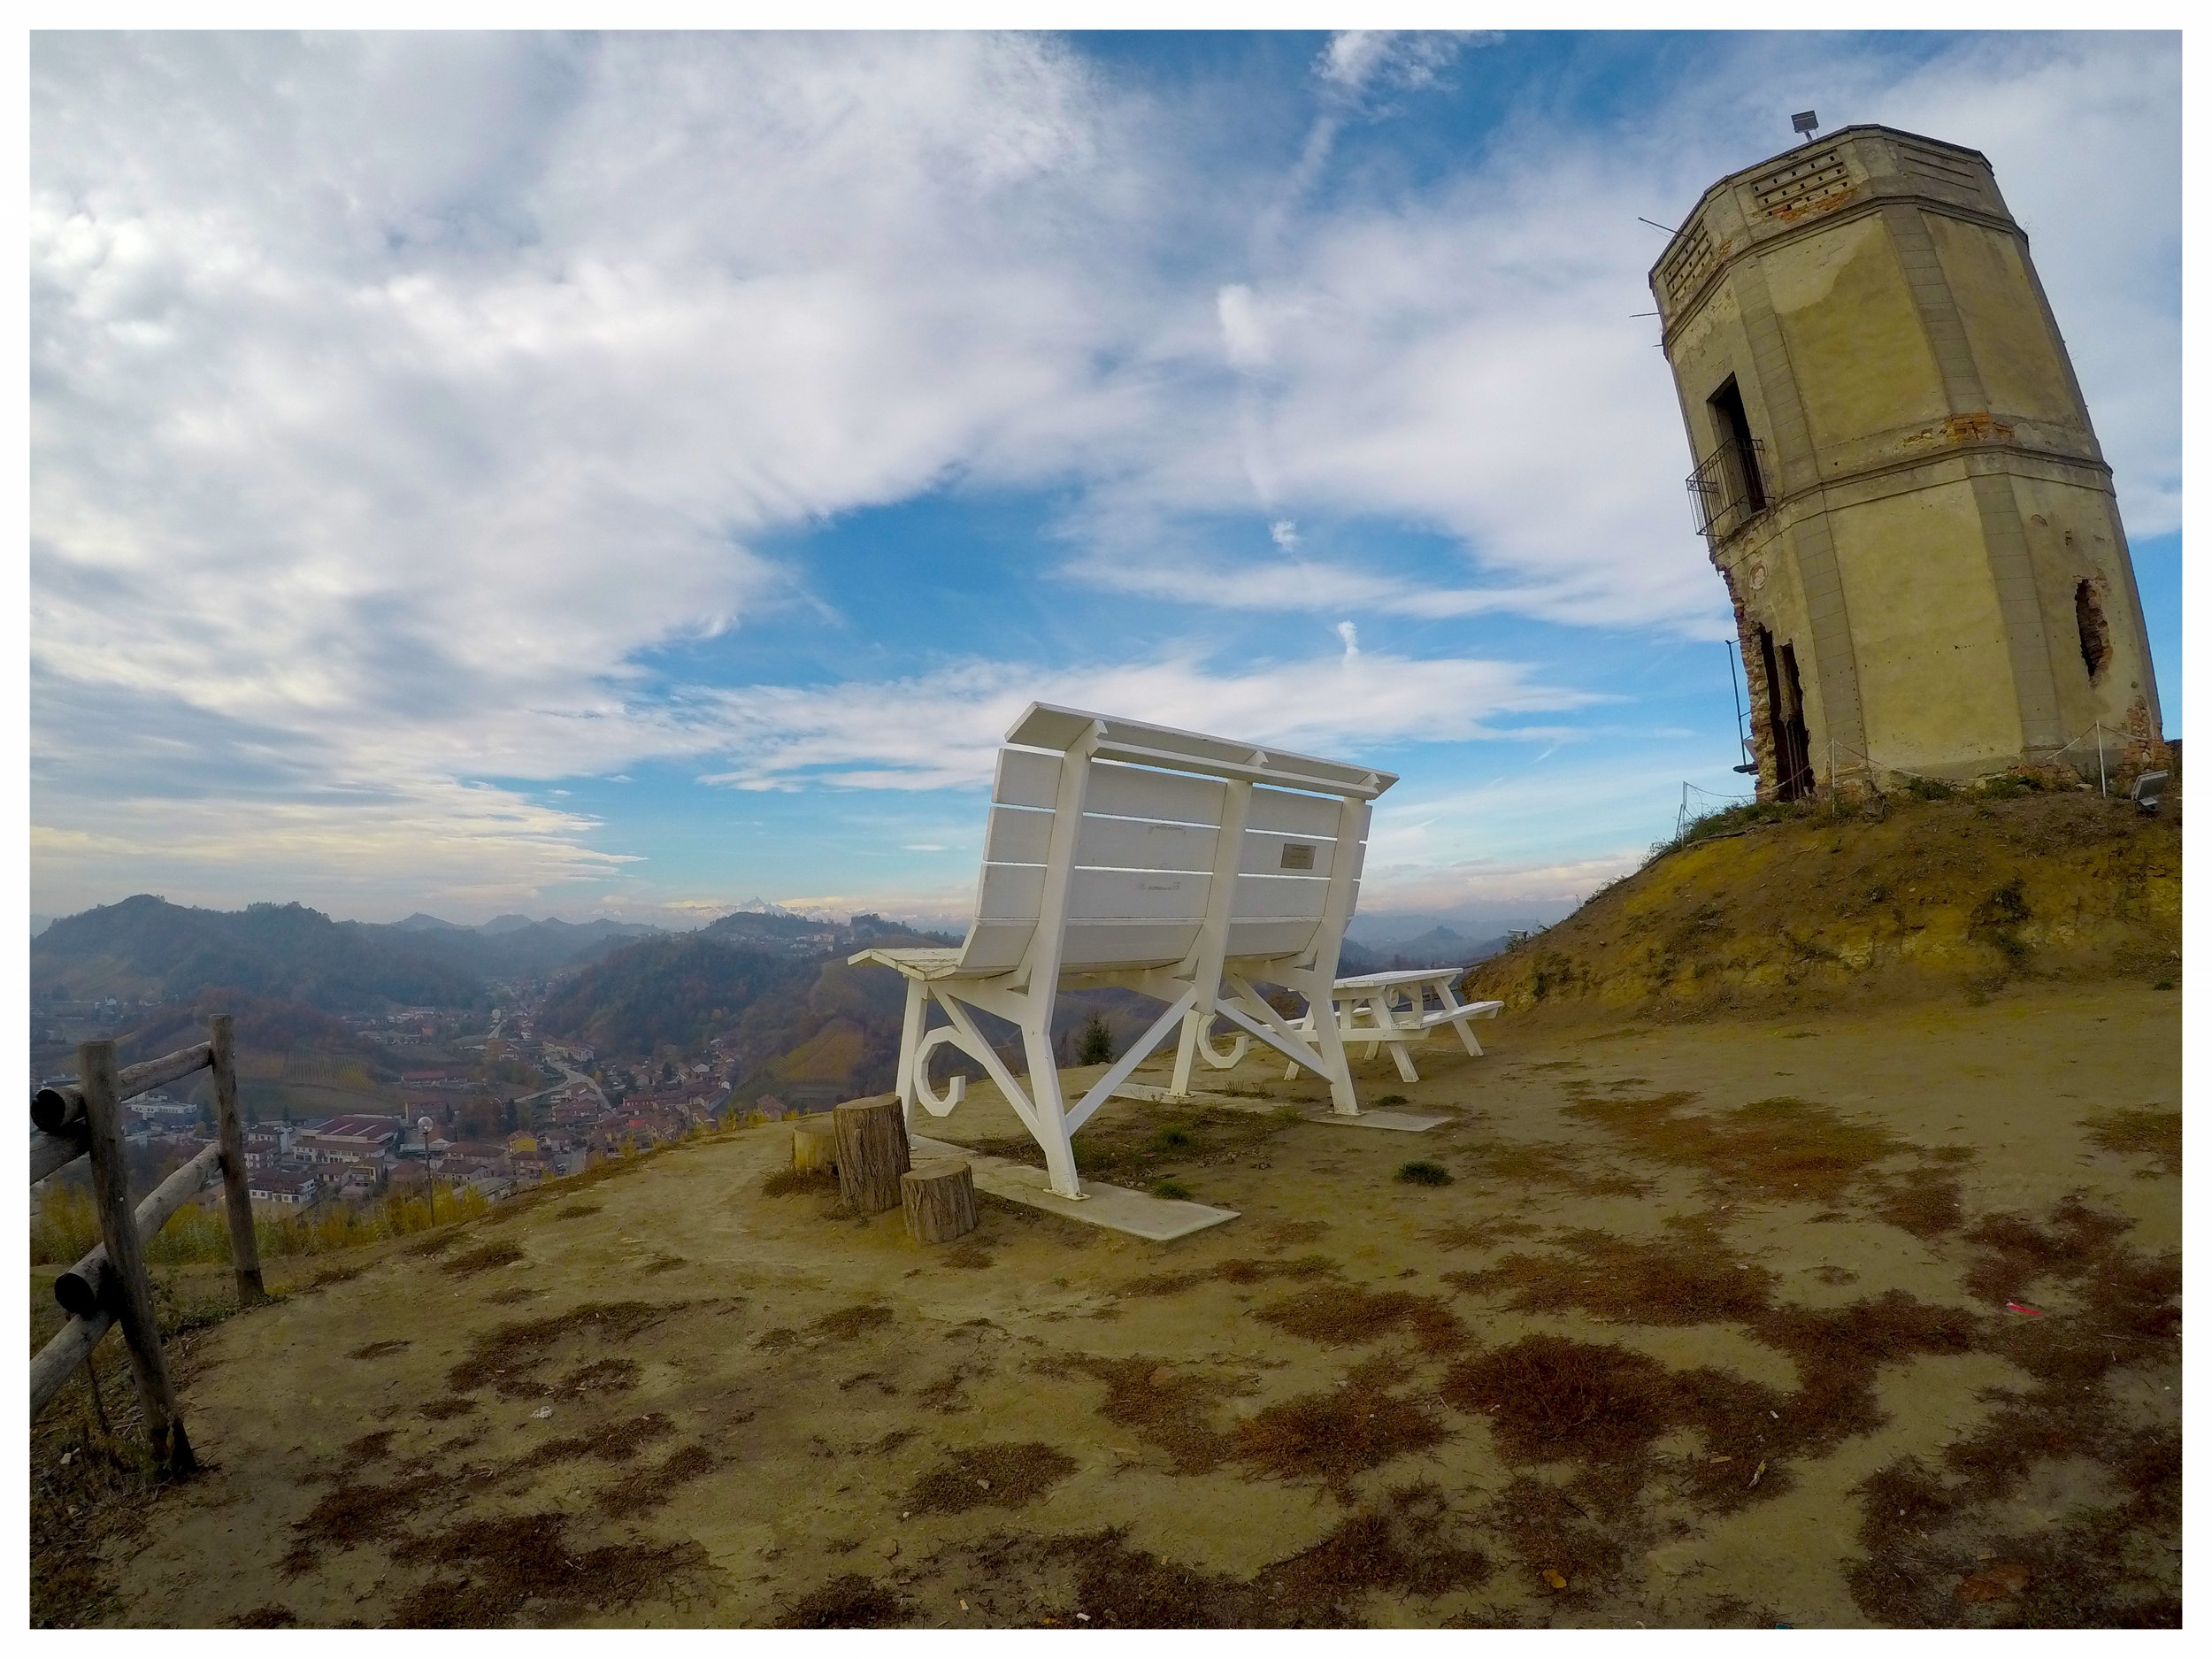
(627, 476)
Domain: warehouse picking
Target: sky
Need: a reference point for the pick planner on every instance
(633, 476)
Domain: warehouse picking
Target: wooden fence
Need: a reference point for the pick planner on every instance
(111, 1285)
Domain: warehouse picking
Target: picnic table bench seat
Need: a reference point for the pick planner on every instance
(1367, 1011)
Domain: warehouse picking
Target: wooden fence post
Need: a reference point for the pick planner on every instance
(245, 1252)
(133, 1291)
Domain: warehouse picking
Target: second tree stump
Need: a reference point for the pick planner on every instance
(872, 1152)
(940, 1198)
(814, 1145)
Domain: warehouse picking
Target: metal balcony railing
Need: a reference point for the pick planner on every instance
(1728, 490)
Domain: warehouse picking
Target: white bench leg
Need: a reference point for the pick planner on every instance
(1186, 1052)
(1051, 1109)
(1304, 1028)
(1328, 1036)
(909, 1045)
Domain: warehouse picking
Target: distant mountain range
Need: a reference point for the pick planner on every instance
(776, 985)
(804, 1025)
(147, 948)
(1439, 947)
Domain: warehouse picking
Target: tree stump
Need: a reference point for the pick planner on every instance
(814, 1145)
(872, 1152)
(940, 1198)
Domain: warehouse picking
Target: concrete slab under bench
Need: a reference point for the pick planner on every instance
(1117, 1208)
(1410, 1123)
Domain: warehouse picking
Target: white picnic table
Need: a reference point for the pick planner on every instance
(1367, 1011)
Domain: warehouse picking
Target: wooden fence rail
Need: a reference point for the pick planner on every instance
(111, 1284)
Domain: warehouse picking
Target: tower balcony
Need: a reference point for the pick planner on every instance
(1728, 490)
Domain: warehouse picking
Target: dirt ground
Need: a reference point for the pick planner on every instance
(1839, 1320)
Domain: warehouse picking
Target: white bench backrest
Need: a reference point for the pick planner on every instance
(1144, 857)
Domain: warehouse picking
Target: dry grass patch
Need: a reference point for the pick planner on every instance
(1004, 1474)
(600, 1377)
(786, 1183)
(851, 1601)
(1555, 1536)
(352, 1515)
(2014, 1251)
(1409, 1544)
(610, 1443)
(1925, 1203)
(1779, 1148)
(1477, 1235)
(1333, 1434)
(1551, 1163)
(1169, 1409)
(1690, 1278)
(647, 1489)
(506, 1563)
(482, 1259)
(1338, 1316)
(505, 1357)
(1235, 1271)
(2145, 1130)
(269, 1616)
(368, 1449)
(848, 1323)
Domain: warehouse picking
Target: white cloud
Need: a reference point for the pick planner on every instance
(943, 730)
(394, 392)
(469, 846)
(1358, 62)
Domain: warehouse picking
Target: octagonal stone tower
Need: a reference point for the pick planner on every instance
(1895, 472)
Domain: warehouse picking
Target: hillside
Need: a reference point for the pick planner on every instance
(511, 947)
(669, 992)
(1938, 899)
(145, 947)
(801, 1022)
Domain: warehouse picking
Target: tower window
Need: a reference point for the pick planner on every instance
(2096, 638)
(1732, 428)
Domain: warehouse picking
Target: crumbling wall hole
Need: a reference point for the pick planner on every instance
(2096, 636)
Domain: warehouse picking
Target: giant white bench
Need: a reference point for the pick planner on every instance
(1184, 867)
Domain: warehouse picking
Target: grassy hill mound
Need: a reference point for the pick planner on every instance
(1768, 908)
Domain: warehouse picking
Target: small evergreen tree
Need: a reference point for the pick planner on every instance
(1095, 1045)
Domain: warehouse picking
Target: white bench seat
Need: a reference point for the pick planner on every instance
(1181, 866)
